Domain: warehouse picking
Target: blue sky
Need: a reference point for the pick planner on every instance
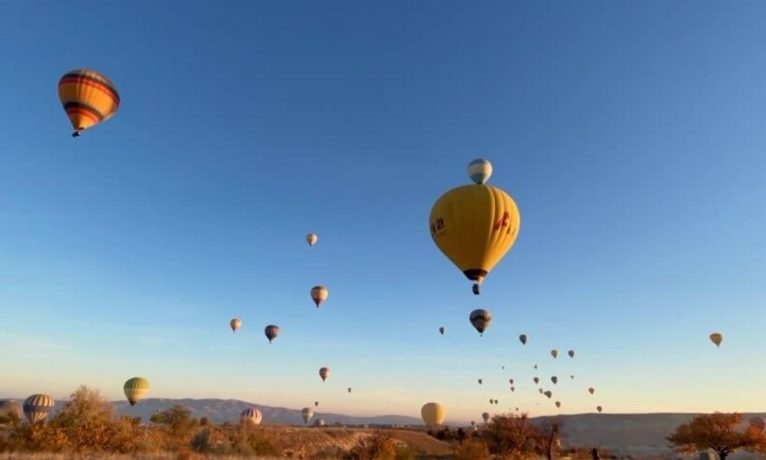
(630, 134)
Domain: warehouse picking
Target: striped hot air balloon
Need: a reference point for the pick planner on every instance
(479, 170)
(37, 407)
(88, 98)
(251, 415)
(135, 389)
(307, 413)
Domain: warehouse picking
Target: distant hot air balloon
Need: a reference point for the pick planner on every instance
(271, 331)
(571, 353)
(475, 226)
(497, 402)
(716, 338)
(485, 416)
(88, 97)
(490, 401)
(441, 330)
(757, 423)
(319, 422)
(316, 403)
(135, 389)
(480, 382)
(480, 319)
(523, 339)
(37, 407)
(307, 413)
(558, 404)
(555, 353)
(591, 390)
(324, 373)
(599, 409)
(536, 380)
(251, 415)
(535, 366)
(312, 239)
(571, 376)
(513, 389)
(319, 294)
(510, 381)
(433, 414)
(473, 423)
(479, 170)
(235, 324)
(540, 390)
(348, 389)
(554, 379)
(548, 394)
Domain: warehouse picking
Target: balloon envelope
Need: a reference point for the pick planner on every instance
(441, 330)
(485, 416)
(235, 324)
(523, 339)
(88, 98)
(480, 319)
(319, 294)
(571, 353)
(312, 239)
(433, 413)
(307, 413)
(554, 353)
(251, 415)
(475, 226)
(37, 407)
(135, 389)
(271, 331)
(479, 170)
(324, 373)
(716, 338)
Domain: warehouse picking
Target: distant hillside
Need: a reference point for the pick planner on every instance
(228, 410)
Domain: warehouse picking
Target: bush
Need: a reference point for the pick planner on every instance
(472, 449)
(376, 447)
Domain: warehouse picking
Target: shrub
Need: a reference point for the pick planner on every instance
(472, 449)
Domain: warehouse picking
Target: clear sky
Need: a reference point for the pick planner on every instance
(631, 135)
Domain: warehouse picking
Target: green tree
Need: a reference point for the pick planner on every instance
(179, 427)
(87, 421)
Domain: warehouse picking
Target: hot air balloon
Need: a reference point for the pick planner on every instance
(510, 381)
(319, 423)
(433, 413)
(480, 319)
(271, 331)
(716, 338)
(555, 353)
(591, 390)
(513, 389)
(571, 376)
(348, 389)
(473, 423)
(497, 402)
(324, 373)
(757, 423)
(535, 366)
(536, 380)
(571, 353)
(554, 379)
(475, 226)
(235, 324)
(319, 294)
(558, 404)
(88, 98)
(540, 390)
(307, 413)
(485, 416)
(316, 403)
(523, 339)
(490, 401)
(441, 330)
(135, 389)
(479, 170)
(548, 394)
(251, 415)
(312, 239)
(480, 382)
(599, 409)
(37, 407)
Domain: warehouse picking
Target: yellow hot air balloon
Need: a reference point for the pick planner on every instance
(319, 294)
(88, 97)
(433, 413)
(235, 324)
(135, 389)
(716, 338)
(312, 239)
(475, 226)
